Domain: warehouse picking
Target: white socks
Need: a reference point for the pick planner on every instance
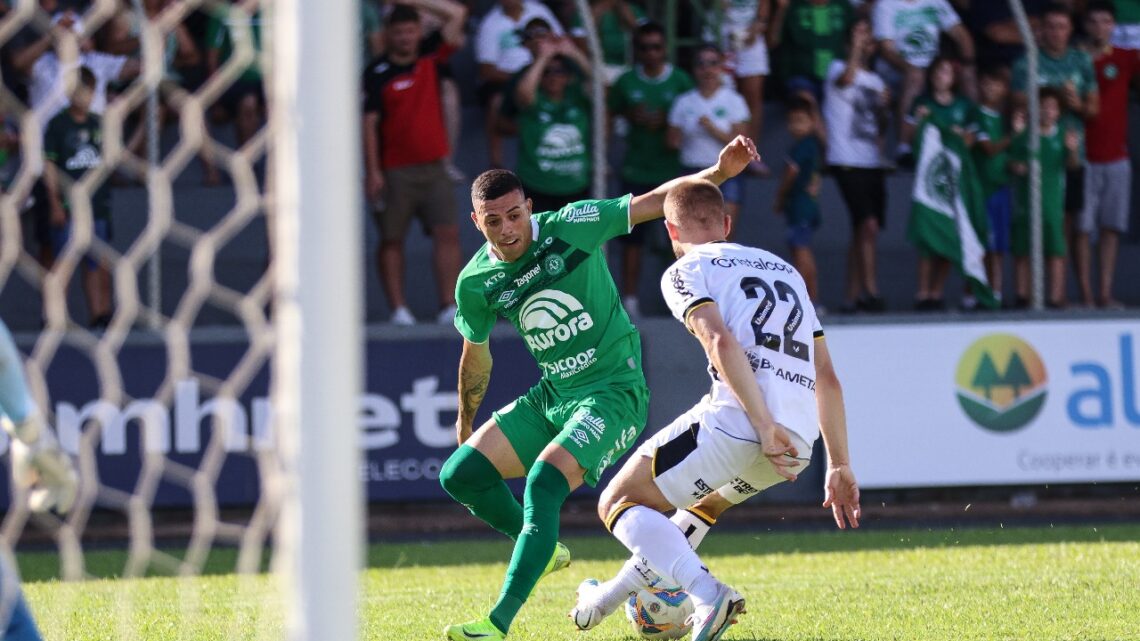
(647, 533)
(636, 572)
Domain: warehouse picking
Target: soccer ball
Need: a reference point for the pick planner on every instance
(659, 612)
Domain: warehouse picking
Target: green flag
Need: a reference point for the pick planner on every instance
(948, 211)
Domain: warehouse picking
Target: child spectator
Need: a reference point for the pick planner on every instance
(72, 146)
(798, 198)
(944, 107)
(1060, 150)
(908, 32)
(644, 96)
(707, 118)
(991, 157)
(855, 101)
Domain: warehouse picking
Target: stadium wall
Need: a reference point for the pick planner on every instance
(929, 405)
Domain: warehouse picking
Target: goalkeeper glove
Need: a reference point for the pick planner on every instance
(40, 466)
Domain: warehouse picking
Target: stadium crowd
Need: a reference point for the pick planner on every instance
(860, 81)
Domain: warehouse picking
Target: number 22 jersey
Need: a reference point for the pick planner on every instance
(765, 304)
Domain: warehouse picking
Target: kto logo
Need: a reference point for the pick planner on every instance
(551, 317)
(1001, 383)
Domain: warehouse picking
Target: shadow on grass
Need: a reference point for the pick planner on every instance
(605, 548)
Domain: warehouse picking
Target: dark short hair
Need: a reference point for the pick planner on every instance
(695, 203)
(648, 29)
(86, 78)
(851, 29)
(1056, 8)
(994, 72)
(494, 183)
(402, 13)
(1050, 92)
(799, 104)
(533, 24)
(1104, 6)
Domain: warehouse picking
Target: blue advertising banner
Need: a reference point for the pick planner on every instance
(158, 443)
(406, 421)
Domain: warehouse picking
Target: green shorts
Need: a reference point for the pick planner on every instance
(1052, 236)
(596, 426)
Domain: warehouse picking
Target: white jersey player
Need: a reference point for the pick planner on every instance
(773, 391)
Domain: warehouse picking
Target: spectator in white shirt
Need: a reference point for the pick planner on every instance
(705, 119)
(47, 91)
(855, 102)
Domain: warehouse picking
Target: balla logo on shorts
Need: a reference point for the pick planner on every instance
(551, 317)
(1001, 383)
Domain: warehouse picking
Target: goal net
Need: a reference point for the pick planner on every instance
(165, 237)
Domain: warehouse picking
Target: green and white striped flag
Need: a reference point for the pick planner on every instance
(948, 211)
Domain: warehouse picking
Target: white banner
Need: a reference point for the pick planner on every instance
(991, 403)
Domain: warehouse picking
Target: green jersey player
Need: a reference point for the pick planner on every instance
(546, 274)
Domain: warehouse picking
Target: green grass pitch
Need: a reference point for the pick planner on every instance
(1045, 583)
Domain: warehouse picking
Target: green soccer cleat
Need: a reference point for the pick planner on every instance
(560, 560)
(481, 630)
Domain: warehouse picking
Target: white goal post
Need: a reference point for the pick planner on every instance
(318, 369)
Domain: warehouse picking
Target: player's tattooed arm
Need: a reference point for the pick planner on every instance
(474, 376)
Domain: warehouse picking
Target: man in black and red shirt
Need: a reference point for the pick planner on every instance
(405, 149)
(1109, 173)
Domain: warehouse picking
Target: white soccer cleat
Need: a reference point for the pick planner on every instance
(588, 612)
(711, 620)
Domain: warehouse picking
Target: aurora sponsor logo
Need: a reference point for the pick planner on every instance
(551, 317)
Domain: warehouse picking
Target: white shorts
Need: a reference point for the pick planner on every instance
(1108, 186)
(748, 61)
(704, 450)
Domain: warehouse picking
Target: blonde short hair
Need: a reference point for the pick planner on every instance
(695, 204)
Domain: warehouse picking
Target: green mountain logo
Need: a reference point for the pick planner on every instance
(1001, 383)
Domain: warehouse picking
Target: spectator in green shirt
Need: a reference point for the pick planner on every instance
(991, 157)
(945, 107)
(1059, 152)
(548, 102)
(809, 34)
(244, 100)
(643, 96)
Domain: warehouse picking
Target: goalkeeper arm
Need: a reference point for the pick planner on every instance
(38, 464)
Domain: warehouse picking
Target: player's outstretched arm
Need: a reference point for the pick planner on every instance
(733, 159)
(474, 375)
(38, 464)
(727, 356)
(841, 489)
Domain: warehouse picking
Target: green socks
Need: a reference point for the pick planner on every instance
(546, 491)
(470, 478)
